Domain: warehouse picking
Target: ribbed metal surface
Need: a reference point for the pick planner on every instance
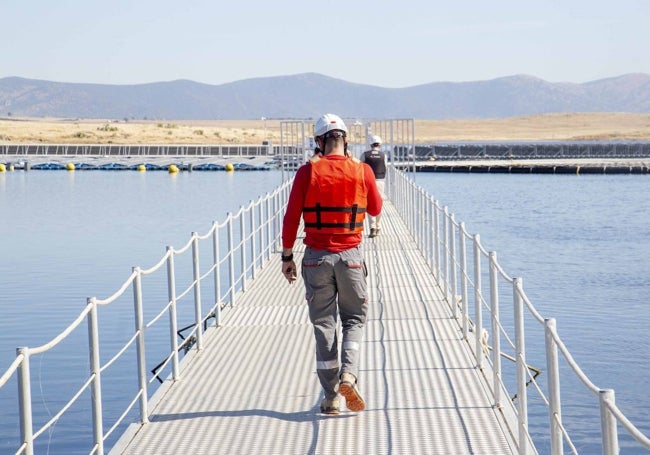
(254, 390)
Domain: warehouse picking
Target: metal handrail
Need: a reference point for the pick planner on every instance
(435, 231)
(190, 150)
(246, 251)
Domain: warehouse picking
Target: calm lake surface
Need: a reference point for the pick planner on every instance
(581, 244)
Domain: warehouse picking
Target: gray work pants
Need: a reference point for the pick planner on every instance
(375, 220)
(335, 284)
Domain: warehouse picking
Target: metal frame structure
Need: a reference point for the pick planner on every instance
(137, 150)
(531, 150)
(398, 135)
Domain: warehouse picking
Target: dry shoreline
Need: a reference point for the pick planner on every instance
(547, 127)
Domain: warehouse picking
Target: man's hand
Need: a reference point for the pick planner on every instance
(289, 271)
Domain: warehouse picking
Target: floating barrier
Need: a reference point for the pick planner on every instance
(49, 167)
(550, 168)
(151, 167)
(209, 167)
(141, 167)
(113, 167)
(86, 166)
(249, 167)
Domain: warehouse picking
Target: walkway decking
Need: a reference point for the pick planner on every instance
(254, 390)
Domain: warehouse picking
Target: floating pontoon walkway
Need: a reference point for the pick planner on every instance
(551, 165)
(253, 388)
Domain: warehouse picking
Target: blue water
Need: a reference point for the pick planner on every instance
(581, 244)
(68, 236)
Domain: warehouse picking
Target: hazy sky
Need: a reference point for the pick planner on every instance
(389, 44)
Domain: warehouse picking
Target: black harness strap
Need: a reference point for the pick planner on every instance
(319, 221)
(319, 209)
(354, 217)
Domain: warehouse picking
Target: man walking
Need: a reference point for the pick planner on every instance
(332, 193)
(376, 159)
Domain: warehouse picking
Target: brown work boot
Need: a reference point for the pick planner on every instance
(348, 388)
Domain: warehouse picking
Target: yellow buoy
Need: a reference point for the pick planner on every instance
(142, 168)
(230, 167)
(2, 167)
(70, 166)
(173, 169)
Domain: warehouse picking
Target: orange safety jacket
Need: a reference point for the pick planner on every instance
(337, 197)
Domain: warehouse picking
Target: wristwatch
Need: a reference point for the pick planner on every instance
(286, 258)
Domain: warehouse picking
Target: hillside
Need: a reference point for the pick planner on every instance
(309, 95)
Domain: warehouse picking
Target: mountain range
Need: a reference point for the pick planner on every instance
(309, 95)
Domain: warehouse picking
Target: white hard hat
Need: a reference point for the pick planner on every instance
(375, 140)
(329, 122)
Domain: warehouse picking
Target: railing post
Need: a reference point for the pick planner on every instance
(173, 324)
(410, 203)
(25, 401)
(478, 305)
(242, 251)
(422, 218)
(140, 344)
(95, 372)
(463, 281)
(279, 219)
(264, 239)
(261, 249)
(436, 239)
(445, 251)
(452, 254)
(413, 201)
(415, 222)
(520, 347)
(608, 422)
(217, 275)
(253, 243)
(430, 234)
(398, 193)
(496, 333)
(554, 405)
(269, 231)
(198, 317)
(231, 261)
(416, 213)
(424, 235)
(277, 223)
(272, 211)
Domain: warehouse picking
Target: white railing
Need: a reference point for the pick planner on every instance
(444, 243)
(238, 248)
(205, 150)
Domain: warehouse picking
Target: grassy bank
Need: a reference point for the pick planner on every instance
(548, 127)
